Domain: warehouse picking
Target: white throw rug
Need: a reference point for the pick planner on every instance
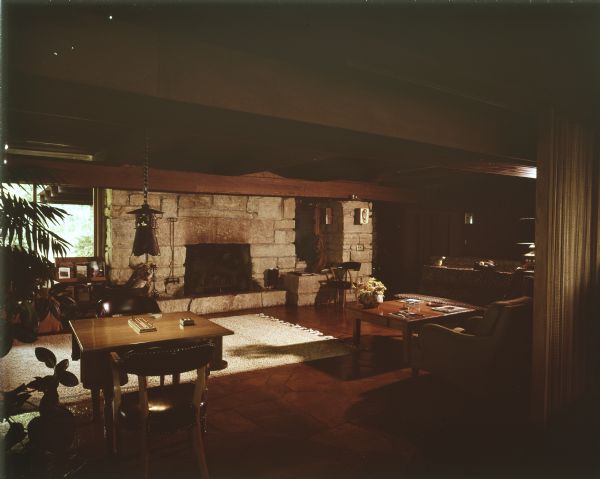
(259, 342)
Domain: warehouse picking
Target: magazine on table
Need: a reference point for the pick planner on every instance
(448, 308)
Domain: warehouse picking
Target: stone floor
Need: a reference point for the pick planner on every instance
(359, 416)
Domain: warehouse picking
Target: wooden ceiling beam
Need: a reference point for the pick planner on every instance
(25, 169)
(180, 67)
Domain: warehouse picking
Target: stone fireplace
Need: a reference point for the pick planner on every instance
(217, 269)
(261, 229)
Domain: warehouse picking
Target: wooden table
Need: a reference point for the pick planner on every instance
(100, 336)
(408, 324)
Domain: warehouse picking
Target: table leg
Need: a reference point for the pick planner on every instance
(96, 415)
(218, 363)
(406, 336)
(356, 332)
(107, 392)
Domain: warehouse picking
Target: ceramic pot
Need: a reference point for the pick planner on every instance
(368, 301)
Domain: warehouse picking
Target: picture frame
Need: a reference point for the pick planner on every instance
(64, 272)
(93, 269)
(81, 270)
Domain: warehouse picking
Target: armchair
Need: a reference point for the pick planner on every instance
(491, 352)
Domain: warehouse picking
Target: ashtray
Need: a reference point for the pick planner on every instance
(186, 322)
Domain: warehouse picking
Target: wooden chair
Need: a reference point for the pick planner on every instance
(122, 305)
(163, 408)
(342, 278)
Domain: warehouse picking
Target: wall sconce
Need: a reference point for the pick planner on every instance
(328, 215)
(361, 216)
(469, 218)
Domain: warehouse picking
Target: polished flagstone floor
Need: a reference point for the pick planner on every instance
(358, 416)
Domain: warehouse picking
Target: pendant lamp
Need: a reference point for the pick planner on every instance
(145, 241)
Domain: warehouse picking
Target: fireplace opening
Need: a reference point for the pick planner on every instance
(217, 268)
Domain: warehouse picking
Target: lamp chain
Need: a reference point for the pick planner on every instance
(146, 171)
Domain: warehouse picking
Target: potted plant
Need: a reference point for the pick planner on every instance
(52, 432)
(25, 242)
(370, 292)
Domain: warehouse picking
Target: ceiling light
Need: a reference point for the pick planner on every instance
(5, 146)
(48, 154)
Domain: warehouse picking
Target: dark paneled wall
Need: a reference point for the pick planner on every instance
(407, 236)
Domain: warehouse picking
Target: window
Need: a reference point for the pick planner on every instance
(78, 226)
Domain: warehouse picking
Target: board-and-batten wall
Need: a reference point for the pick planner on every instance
(567, 287)
(407, 236)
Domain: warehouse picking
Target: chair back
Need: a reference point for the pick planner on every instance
(160, 361)
(351, 265)
(516, 319)
(126, 305)
(500, 316)
(166, 407)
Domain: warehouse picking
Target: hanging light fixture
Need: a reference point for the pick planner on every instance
(145, 241)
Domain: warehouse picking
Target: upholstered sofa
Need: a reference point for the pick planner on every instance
(459, 280)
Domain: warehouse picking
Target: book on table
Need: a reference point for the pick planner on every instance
(141, 325)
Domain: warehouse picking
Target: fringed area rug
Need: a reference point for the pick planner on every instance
(259, 342)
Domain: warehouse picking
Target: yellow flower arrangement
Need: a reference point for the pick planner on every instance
(368, 290)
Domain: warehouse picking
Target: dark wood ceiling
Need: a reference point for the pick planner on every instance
(515, 61)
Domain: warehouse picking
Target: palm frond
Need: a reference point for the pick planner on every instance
(27, 225)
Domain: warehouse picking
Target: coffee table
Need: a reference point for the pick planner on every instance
(395, 314)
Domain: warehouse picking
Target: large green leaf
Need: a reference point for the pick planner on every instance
(6, 337)
(61, 366)
(11, 402)
(46, 356)
(67, 378)
(15, 434)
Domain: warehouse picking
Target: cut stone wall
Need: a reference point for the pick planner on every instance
(344, 241)
(267, 224)
(229, 302)
(357, 240)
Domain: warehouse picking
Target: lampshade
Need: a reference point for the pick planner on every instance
(526, 231)
(145, 241)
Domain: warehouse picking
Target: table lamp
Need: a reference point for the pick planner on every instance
(526, 236)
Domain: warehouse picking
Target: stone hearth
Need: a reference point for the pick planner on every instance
(265, 224)
(228, 302)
